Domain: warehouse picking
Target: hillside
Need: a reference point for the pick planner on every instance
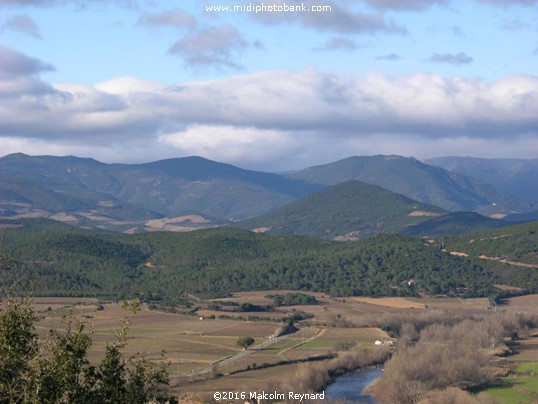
(517, 176)
(346, 211)
(87, 192)
(518, 243)
(421, 182)
(454, 223)
(522, 217)
(64, 260)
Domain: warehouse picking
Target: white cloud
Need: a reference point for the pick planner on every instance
(229, 143)
(276, 119)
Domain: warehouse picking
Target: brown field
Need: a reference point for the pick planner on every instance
(397, 302)
(507, 287)
(64, 217)
(107, 204)
(421, 213)
(358, 335)
(522, 303)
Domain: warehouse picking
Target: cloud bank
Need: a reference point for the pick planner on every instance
(267, 120)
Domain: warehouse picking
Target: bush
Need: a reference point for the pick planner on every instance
(57, 369)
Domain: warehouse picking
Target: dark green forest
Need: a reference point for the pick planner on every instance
(55, 259)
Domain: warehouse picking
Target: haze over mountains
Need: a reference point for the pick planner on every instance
(193, 192)
(519, 177)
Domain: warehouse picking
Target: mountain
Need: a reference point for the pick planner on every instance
(345, 211)
(190, 193)
(421, 182)
(172, 194)
(517, 176)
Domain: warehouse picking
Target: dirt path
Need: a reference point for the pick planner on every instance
(505, 261)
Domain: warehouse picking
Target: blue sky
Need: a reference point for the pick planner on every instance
(130, 81)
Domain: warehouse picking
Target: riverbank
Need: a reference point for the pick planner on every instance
(317, 376)
(353, 387)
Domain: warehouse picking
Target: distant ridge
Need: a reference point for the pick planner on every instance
(517, 176)
(87, 192)
(421, 182)
(189, 193)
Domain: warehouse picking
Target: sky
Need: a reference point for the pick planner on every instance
(269, 85)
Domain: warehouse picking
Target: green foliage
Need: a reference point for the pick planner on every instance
(57, 370)
(293, 299)
(166, 267)
(17, 347)
(244, 342)
(516, 243)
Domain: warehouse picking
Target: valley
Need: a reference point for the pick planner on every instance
(198, 345)
(324, 271)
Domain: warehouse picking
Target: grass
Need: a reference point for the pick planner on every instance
(527, 367)
(522, 388)
(506, 393)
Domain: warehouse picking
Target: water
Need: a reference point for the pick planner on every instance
(351, 386)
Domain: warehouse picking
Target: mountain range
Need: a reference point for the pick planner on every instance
(422, 182)
(354, 197)
(517, 176)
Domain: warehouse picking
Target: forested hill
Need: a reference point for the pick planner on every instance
(68, 261)
(518, 243)
(349, 210)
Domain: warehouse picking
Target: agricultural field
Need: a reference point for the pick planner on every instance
(198, 345)
(194, 343)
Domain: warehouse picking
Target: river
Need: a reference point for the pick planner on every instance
(351, 386)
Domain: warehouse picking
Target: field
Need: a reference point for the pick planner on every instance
(522, 387)
(197, 347)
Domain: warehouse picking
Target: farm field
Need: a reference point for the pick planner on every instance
(191, 343)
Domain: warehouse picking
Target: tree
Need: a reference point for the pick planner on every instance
(245, 342)
(57, 369)
(17, 348)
